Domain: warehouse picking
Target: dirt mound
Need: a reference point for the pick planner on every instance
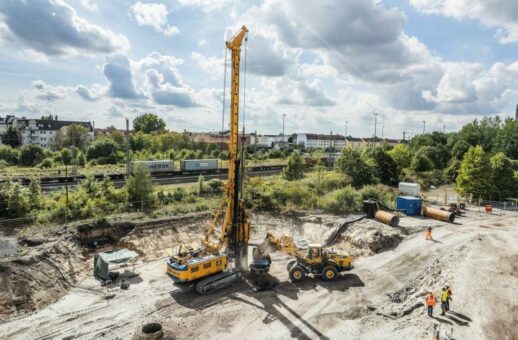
(411, 297)
(155, 241)
(369, 237)
(41, 276)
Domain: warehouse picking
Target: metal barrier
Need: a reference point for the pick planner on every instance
(502, 205)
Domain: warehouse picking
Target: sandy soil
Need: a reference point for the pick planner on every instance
(382, 298)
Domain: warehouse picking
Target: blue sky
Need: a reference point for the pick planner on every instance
(320, 63)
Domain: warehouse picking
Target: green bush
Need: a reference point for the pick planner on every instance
(215, 186)
(8, 154)
(31, 154)
(344, 200)
(46, 163)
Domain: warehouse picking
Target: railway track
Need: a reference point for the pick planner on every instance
(162, 179)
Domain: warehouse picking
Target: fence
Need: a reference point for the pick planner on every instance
(502, 205)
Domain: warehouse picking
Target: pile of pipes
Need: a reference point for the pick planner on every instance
(371, 209)
(438, 214)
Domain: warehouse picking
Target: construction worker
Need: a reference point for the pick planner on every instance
(448, 299)
(430, 302)
(444, 301)
(429, 233)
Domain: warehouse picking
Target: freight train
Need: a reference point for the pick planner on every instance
(157, 169)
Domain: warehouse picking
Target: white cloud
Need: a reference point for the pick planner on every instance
(53, 28)
(89, 5)
(212, 65)
(501, 14)
(207, 5)
(155, 15)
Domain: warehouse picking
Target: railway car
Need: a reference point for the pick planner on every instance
(199, 165)
(155, 167)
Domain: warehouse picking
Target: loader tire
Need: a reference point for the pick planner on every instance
(329, 273)
(290, 264)
(297, 273)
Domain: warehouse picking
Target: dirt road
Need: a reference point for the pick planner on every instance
(381, 299)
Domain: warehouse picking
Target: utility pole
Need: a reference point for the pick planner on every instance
(382, 131)
(375, 122)
(66, 191)
(283, 116)
(127, 149)
(404, 134)
(375, 125)
(424, 126)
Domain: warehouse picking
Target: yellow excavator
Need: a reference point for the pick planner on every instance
(309, 258)
(210, 264)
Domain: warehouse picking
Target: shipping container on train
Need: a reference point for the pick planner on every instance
(208, 165)
(154, 167)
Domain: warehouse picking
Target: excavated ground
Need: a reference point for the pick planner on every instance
(381, 298)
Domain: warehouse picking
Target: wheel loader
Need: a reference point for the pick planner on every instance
(309, 259)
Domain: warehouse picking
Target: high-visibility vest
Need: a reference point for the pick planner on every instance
(430, 300)
(444, 296)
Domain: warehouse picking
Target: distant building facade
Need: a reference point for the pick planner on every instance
(322, 141)
(40, 131)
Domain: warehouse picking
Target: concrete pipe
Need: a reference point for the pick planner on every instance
(442, 215)
(387, 218)
(152, 331)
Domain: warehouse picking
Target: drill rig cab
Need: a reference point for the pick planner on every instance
(210, 265)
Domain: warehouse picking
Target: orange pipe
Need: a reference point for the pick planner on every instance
(387, 218)
(438, 214)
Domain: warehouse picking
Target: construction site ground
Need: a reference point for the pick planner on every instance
(382, 298)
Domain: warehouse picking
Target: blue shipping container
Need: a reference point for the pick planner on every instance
(411, 205)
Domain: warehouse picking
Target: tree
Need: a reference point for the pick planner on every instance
(438, 155)
(77, 136)
(148, 122)
(66, 156)
(459, 149)
(421, 163)
(35, 193)
(506, 139)
(385, 168)
(504, 181)
(475, 173)
(31, 154)
(351, 163)
(11, 137)
(8, 154)
(295, 167)
(140, 187)
(104, 150)
(17, 203)
(402, 155)
(201, 186)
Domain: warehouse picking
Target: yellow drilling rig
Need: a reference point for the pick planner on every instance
(210, 264)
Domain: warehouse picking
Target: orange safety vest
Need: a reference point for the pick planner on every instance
(430, 300)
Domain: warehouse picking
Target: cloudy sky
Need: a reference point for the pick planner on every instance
(321, 63)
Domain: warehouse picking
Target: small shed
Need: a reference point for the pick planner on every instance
(102, 261)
